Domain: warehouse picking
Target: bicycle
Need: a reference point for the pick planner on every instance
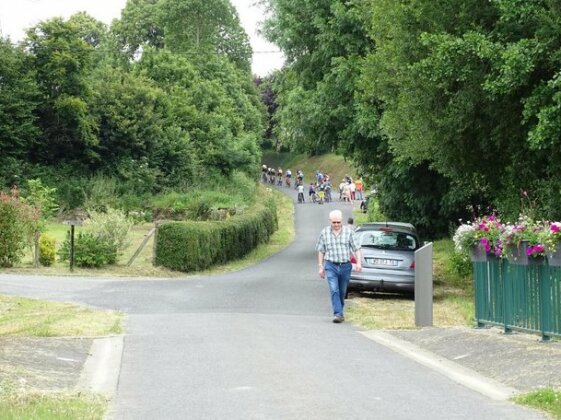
(287, 180)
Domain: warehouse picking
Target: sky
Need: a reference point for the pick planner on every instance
(18, 15)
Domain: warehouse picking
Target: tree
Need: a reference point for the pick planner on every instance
(18, 101)
(323, 42)
(138, 27)
(201, 26)
(62, 56)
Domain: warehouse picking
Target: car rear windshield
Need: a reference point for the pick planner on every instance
(387, 239)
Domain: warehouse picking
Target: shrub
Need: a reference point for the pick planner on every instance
(111, 226)
(191, 246)
(101, 193)
(47, 250)
(89, 251)
(41, 197)
(460, 264)
(18, 222)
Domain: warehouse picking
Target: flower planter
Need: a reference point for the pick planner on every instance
(554, 258)
(518, 256)
(478, 254)
(536, 260)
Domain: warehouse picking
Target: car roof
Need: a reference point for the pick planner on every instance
(404, 227)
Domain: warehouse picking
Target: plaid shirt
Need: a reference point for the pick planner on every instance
(337, 248)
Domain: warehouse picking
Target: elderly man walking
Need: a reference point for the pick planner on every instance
(335, 246)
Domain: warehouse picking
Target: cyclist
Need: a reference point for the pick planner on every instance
(321, 194)
(312, 192)
(300, 194)
(328, 192)
(300, 177)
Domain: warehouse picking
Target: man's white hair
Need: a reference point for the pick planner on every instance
(335, 214)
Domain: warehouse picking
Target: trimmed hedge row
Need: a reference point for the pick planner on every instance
(192, 246)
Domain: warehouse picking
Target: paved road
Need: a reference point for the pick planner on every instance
(259, 344)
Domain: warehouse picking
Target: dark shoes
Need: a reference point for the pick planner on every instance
(338, 319)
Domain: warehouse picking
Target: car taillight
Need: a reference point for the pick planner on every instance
(353, 259)
(412, 266)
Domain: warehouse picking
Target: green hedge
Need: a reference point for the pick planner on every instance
(192, 246)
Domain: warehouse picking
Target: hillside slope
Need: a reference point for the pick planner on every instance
(333, 165)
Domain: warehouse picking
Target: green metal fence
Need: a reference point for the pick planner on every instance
(518, 297)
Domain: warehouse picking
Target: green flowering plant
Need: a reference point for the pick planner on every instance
(550, 236)
(483, 232)
(526, 229)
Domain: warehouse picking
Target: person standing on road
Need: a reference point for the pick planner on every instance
(335, 246)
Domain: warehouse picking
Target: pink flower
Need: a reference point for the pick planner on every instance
(535, 249)
(539, 248)
(554, 227)
(486, 244)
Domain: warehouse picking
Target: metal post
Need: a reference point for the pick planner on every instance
(544, 287)
(71, 247)
(423, 286)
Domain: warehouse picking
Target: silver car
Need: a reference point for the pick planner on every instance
(388, 257)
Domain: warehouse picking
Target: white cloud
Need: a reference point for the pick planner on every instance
(18, 15)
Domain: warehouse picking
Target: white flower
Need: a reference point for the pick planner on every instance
(463, 236)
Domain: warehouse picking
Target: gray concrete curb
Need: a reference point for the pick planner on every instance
(457, 373)
(100, 373)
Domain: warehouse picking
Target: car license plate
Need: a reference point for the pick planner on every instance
(383, 261)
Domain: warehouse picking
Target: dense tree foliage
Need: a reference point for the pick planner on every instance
(18, 102)
(448, 105)
(162, 99)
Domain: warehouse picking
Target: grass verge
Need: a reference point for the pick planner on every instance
(51, 406)
(453, 300)
(23, 317)
(547, 399)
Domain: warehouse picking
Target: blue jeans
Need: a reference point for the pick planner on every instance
(338, 276)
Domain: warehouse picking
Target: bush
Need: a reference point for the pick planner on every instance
(89, 251)
(374, 213)
(47, 250)
(191, 246)
(42, 197)
(18, 222)
(101, 193)
(111, 226)
(460, 264)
